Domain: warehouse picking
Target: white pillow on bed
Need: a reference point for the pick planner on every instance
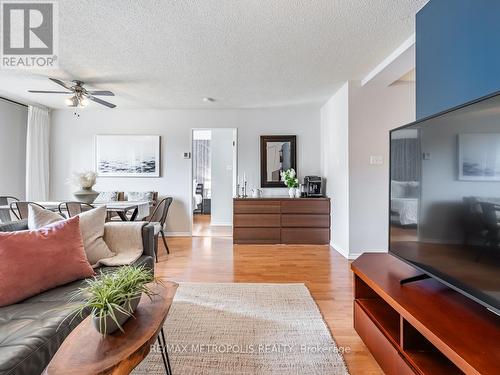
(399, 189)
(413, 189)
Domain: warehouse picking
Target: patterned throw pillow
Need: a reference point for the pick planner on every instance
(140, 196)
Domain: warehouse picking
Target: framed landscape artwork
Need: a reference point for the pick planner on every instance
(479, 157)
(127, 155)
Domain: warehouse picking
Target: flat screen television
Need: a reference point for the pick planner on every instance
(444, 216)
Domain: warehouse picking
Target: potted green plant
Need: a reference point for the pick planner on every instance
(113, 297)
(290, 179)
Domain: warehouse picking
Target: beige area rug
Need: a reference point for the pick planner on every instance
(231, 329)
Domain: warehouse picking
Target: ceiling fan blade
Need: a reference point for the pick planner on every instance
(100, 101)
(63, 84)
(50, 92)
(102, 93)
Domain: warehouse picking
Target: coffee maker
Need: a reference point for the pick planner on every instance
(314, 186)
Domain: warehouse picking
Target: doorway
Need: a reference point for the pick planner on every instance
(214, 164)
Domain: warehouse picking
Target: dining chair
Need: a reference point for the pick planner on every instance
(20, 209)
(113, 216)
(158, 218)
(5, 200)
(490, 213)
(73, 208)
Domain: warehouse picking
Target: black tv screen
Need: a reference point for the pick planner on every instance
(445, 198)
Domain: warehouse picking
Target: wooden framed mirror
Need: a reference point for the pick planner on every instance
(277, 153)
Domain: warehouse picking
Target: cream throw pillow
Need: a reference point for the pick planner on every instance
(91, 227)
(39, 217)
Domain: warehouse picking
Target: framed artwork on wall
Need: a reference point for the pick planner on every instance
(127, 155)
(479, 157)
(277, 153)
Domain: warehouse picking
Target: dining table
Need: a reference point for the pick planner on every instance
(137, 210)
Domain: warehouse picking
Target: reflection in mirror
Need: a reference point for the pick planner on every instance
(278, 159)
(277, 153)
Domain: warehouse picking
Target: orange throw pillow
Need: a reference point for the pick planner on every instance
(32, 261)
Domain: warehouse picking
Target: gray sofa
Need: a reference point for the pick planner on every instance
(29, 333)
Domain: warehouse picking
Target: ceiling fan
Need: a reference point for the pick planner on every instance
(81, 95)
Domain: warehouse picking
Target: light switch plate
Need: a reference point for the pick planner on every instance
(376, 160)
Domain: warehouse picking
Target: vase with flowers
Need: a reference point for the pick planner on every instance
(289, 177)
(85, 180)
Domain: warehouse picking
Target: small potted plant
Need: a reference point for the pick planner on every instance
(290, 180)
(113, 297)
(85, 181)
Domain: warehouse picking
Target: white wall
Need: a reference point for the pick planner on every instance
(72, 147)
(13, 124)
(373, 111)
(222, 151)
(335, 164)
(361, 118)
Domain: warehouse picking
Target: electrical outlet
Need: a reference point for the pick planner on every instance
(186, 155)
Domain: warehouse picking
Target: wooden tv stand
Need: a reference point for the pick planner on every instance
(423, 327)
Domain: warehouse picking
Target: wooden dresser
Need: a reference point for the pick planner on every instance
(281, 220)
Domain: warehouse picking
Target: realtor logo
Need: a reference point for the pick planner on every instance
(29, 34)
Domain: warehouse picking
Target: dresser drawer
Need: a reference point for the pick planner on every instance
(257, 220)
(256, 207)
(305, 221)
(256, 235)
(311, 236)
(305, 206)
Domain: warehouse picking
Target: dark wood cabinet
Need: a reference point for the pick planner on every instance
(281, 220)
(423, 327)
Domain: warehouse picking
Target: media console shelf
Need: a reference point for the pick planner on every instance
(422, 327)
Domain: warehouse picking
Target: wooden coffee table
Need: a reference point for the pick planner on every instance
(86, 352)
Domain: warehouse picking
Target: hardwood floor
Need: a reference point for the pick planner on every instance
(325, 272)
(202, 228)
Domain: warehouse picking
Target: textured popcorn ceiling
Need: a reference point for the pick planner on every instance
(243, 53)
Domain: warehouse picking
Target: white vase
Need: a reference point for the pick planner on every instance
(86, 195)
(297, 193)
(291, 192)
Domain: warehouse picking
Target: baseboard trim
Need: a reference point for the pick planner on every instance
(343, 252)
(354, 256)
(223, 224)
(178, 234)
(339, 250)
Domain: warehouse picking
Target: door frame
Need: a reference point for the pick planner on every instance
(235, 167)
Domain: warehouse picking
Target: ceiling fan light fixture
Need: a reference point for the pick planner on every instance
(72, 102)
(84, 102)
(81, 97)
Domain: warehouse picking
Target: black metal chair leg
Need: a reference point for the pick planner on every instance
(166, 352)
(156, 248)
(164, 241)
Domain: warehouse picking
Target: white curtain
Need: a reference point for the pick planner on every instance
(37, 154)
